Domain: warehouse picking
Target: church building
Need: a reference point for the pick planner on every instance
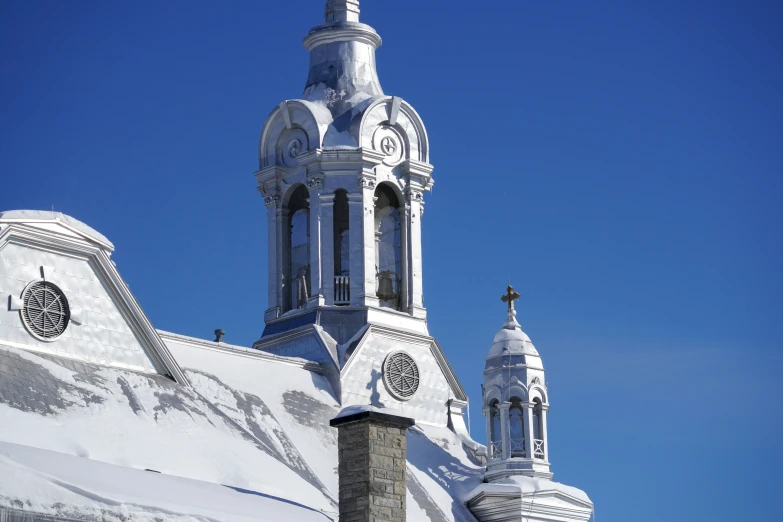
(346, 408)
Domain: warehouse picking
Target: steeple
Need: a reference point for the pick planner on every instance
(343, 170)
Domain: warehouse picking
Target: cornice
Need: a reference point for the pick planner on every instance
(341, 32)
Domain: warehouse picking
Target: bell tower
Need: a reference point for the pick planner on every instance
(342, 170)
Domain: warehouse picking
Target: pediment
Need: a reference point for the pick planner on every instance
(106, 325)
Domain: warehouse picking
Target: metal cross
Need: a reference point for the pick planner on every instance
(510, 297)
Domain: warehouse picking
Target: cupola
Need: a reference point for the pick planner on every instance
(515, 403)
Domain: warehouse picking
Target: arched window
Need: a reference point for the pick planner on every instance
(495, 438)
(388, 258)
(299, 241)
(538, 429)
(342, 249)
(517, 425)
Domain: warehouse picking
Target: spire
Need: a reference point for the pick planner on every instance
(341, 11)
(510, 297)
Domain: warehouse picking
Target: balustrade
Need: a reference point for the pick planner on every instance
(342, 290)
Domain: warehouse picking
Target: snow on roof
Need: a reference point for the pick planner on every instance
(69, 487)
(530, 486)
(259, 424)
(46, 216)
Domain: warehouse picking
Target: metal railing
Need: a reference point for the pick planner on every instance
(495, 449)
(538, 448)
(518, 447)
(342, 290)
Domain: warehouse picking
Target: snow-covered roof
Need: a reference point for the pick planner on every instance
(43, 217)
(258, 424)
(68, 487)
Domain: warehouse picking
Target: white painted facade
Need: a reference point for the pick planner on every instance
(245, 431)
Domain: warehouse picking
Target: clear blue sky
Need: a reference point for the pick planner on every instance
(620, 161)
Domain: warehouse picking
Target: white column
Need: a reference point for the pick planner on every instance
(273, 271)
(505, 429)
(527, 409)
(367, 293)
(356, 240)
(417, 288)
(327, 246)
(488, 418)
(544, 413)
(316, 290)
(405, 259)
(283, 250)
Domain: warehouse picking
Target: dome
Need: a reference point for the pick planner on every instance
(511, 340)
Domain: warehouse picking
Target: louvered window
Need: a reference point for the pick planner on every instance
(45, 312)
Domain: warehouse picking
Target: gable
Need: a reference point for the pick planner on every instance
(106, 326)
(362, 379)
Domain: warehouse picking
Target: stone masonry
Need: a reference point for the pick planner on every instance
(372, 463)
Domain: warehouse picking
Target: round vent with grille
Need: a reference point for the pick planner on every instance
(401, 375)
(45, 313)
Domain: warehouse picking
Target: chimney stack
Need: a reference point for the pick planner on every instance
(372, 464)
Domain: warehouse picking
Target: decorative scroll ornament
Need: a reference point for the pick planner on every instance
(271, 200)
(292, 145)
(366, 183)
(315, 183)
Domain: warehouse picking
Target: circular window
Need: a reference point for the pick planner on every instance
(45, 312)
(401, 375)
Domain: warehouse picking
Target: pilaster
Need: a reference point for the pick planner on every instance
(356, 238)
(505, 429)
(367, 293)
(315, 186)
(416, 203)
(544, 437)
(327, 246)
(283, 261)
(273, 272)
(527, 409)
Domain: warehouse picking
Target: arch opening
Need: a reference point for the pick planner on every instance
(298, 269)
(388, 247)
(342, 249)
(495, 434)
(517, 428)
(538, 429)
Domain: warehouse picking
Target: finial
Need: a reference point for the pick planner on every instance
(510, 297)
(342, 11)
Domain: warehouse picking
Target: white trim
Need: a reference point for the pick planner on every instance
(241, 351)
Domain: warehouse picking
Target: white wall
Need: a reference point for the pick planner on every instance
(103, 337)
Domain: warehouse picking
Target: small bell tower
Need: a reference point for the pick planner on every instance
(515, 403)
(342, 171)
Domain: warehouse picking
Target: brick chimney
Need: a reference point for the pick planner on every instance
(372, 463)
